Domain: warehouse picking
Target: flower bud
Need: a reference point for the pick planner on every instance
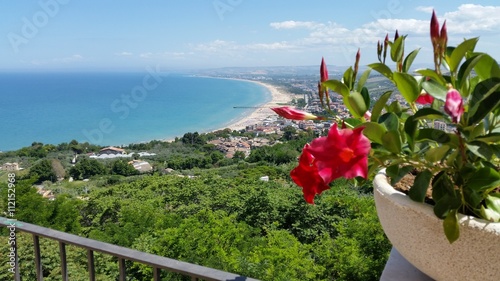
(356, 64)
(386, 43)
(323, 71)
(454, 105)
(379, 51)
(443, 38)
(396, 35)
(435, 38)
(295, 114)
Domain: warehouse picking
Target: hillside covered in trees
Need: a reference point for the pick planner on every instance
(211, 210)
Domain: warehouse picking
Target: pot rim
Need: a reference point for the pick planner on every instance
(385, 189)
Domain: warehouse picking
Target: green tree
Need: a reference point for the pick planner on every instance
(43, 171)
(239, 155)
(122, 167)
(289, 133)
(86, 168)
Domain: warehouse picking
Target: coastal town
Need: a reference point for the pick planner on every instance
(298, 89)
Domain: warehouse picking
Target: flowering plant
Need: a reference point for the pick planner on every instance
(446, 126)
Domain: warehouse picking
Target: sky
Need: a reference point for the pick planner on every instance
(130, 35)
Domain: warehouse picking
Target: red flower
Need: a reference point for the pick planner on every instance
(454, 105)
(294, 114)
(424, 98)
(343, 153)
(306, 176)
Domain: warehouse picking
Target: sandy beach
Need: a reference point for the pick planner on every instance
(278, 97)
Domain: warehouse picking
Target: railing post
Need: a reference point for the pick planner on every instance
(38, 260)
(123, 271)
(64, 265)
(91, 266)
(156, 274)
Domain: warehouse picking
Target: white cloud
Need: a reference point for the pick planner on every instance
(221, 46)
(164, 55)
(146, 55)
(425, 9)
(294, 24)
(72, 58)
(124, 54)
(334, 36)
(471, 18)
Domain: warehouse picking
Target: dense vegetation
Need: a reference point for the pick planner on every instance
(223, 216)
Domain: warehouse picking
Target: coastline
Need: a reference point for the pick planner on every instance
(278, 97)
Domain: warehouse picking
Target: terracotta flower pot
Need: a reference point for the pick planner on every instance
(418, 235)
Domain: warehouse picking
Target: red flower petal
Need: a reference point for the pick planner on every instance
(294, 114)
(306, 176)
(424, 98)
(343, 153)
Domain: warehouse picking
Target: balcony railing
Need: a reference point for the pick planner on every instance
(158, 263)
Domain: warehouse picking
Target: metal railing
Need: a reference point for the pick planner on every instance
(158, 263)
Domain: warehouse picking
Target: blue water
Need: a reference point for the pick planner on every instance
(116, 108)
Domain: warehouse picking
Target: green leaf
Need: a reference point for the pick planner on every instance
(441, 186)
(348, 77)
(428, 113)
(353, 122)
(362, 79)
(379, 105)
(473, 198)
(451, 226)
(492, 212)
(395, 107)
(483, 179)
(480, 149)
(374, 131)
(337, 86)
(489, 214)
(407, 86)
(477, 131)
(397, 49)
(433, 75)
(435, 89)
(391, 140)
(421, 184)
(466, 68)
(366, 97)
(391, 121)
(433, 134)
(493, 201)
(356, 104)
(487, 68)
(409, 60)
(436, 154)
(396, 173)
(489, 138)
(382, 69)
(485, 98)
(459, 53)
(410, 127)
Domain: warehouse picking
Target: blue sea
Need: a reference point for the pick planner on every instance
(117, 108)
